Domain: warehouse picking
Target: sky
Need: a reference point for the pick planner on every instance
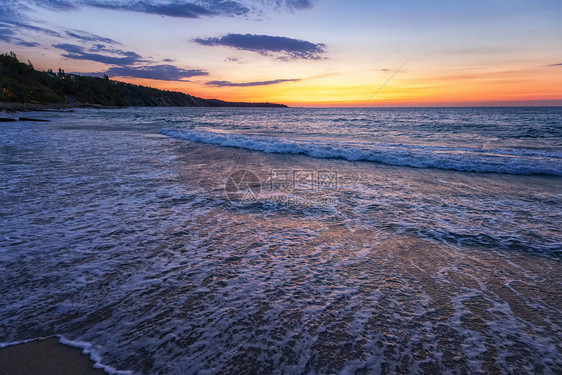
(311, 53)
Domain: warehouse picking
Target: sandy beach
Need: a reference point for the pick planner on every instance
(45, 357)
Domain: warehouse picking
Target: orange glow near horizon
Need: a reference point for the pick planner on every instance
(325, 54)
(516, 87)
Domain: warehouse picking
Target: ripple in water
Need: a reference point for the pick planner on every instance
(122, 240)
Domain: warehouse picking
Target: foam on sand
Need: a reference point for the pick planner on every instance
(48, 356)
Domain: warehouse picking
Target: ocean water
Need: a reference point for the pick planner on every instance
(287, 241)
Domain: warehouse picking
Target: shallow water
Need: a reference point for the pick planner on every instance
(117, 235)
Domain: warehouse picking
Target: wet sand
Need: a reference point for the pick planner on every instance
(45, 357)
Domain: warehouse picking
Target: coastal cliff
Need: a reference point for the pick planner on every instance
(21, 86)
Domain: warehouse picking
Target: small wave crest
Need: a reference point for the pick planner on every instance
(512, 161)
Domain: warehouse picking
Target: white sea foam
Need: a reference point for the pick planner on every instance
(126, 245)
(514, 161)
(90, 349)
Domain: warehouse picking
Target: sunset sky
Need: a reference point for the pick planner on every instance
(304, 52)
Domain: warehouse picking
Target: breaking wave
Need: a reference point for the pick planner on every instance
(508, 161)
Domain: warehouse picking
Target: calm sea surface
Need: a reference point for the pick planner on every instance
(287, 241)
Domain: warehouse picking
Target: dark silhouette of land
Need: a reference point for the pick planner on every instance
(22, 87)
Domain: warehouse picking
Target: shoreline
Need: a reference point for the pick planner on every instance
(8, 107)
(37, 107)
(47, 356)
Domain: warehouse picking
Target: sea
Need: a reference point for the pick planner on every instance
(286, 240)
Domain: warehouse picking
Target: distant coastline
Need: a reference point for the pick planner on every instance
(22, 88)
(14, 107)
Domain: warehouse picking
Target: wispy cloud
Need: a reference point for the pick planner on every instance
(160, 72)
(296, 4)
(13, 16)
(180, 8)
(14, 32)
(13, 11)
(6, 33)
(174, 8)
(57, 4)
(27, 44)
(15, 25)
(38, 29)
(557, 64)
(16, 16)
(89, 37)
(249, 84)
(111, 57)
(281, 47)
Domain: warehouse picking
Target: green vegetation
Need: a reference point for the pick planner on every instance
(21, 83)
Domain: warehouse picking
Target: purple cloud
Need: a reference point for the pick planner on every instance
(249, 84)
(178, 8)
(159, 72)
(282, 47)
(88, 37)
(115, 57)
